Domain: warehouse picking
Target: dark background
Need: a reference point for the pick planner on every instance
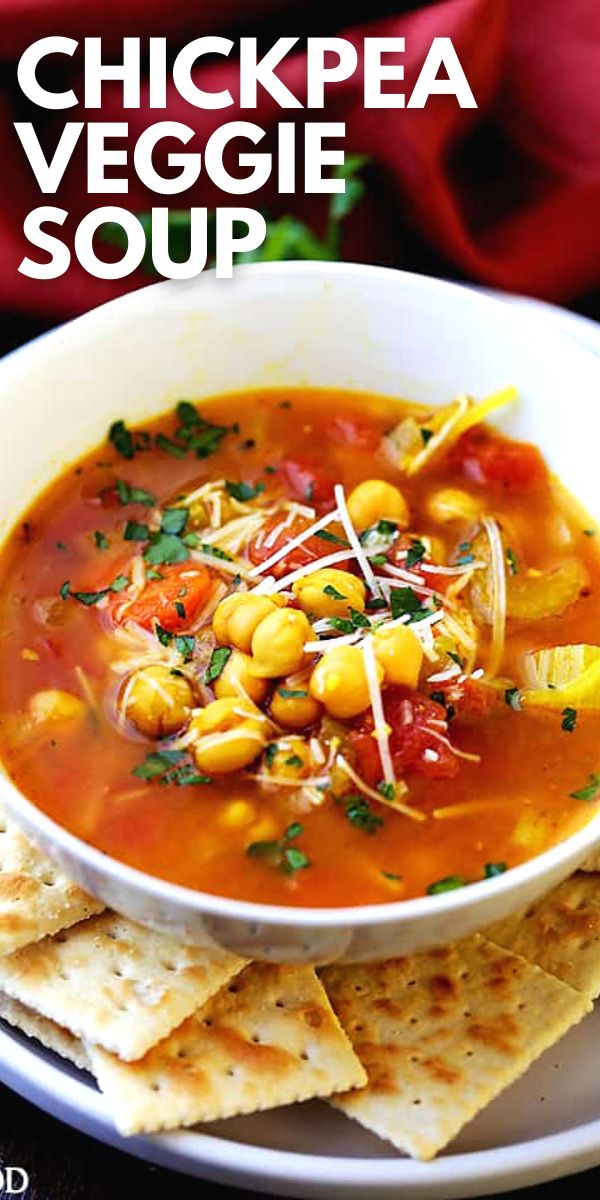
(63, 1164)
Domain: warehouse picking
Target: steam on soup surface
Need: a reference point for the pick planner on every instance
(305, 647)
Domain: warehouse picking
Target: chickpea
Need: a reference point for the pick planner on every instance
(227, 740)
(237, 814)
(278, 643)
(330, 593)
(292, 758)
(56, 705)
(237, 677)
(398, 651)
(236, 618)
(339, 681)
(452, 504)
(376, 500)
(292, 704)
(156, 701)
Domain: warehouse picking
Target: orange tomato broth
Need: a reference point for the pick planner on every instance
(517, 800)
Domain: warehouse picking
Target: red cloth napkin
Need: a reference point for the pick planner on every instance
(508, 195)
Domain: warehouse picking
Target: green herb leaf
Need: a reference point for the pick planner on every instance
(134, 495)
(491, 869)
(101, 540)
(243, 491)
(218, 660)
(569, 719)
(403, 601)
(173, 448)
(590, 791)
(387, 790)
(121, 439)
(449, 884)
(511, 560)
(174, 520)
(270, 754)
(169, 766)
(291, 693)
(295, 860)
(134, 532)
(426, 435)
(164, 636)
(350, 624)
(65, 590)
(180, 610)
(590, 532)
(187, 414)
(293, 831)
(216, 552)
(330, 590)
(165, 548)
(89, 598)
(327, 536)
(119, 583)
(416, 552)
(294, 761)
(184, 645)
(512, 697)
(391, 875)
(358, 812)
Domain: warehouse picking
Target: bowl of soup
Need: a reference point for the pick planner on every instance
(300, 608)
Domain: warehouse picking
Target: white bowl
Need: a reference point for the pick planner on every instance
(292, 324)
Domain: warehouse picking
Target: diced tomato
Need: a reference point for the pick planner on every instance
(174, 600)
(416, 724)
(352, 431)
(487, 459)
(470, 698)
(306, 481)
(260, 548)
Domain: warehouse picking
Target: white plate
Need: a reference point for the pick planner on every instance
(544, 1126)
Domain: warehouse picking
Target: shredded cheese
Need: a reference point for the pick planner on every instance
(381, 733)
(498, 596)
(293, 544)
(363, 787)
(282, 585)
(354, 540)
(437, 441)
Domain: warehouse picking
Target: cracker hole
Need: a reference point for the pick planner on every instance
(467, 1013)
(279, 1004)
(304, 1055)
(207, 1023)
(416, 1102)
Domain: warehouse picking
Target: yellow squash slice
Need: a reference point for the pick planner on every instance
(563, 676)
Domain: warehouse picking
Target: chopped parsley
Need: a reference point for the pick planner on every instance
(180, 610)
(174, 520)
(292, 693)
(330, 590)
(184, 645)
(270, 754)
(350, 624)
(134, 495)
(569, 719)
(166, 443)
(243, 491)
(165, 549)
(426, 435)
(196, 433)
(391, 875)
(416, 552)
(590, 791)
(280, 854)
(359, 813)
(218, 661)
(403, 601)
(216, 552)
(135, 532)
(456, 658)
(491, 869)
(590, 532)
(327, 536)
(511, 560)
(101, 540)
(164, 636)
(90, 598)
(121, 438)
(169, 766)
(449, 884)
(386, 789)
(294, 761)
(512, 697)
